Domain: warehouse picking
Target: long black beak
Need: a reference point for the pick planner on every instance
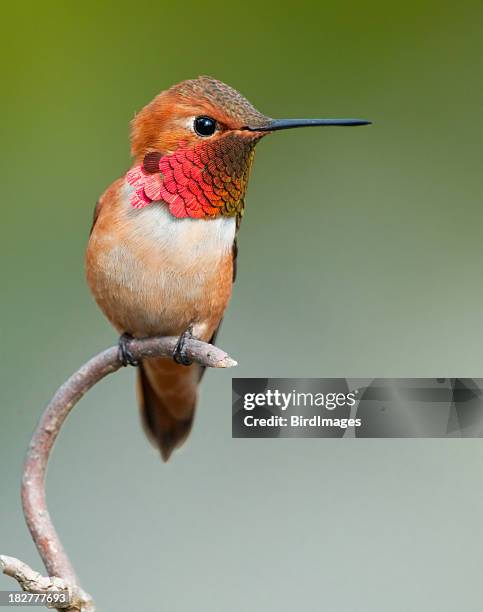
(286, 124)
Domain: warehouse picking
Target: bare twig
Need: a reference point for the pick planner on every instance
(48, 544)
(32, 582)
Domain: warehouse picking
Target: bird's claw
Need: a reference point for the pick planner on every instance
(180, 354)
(125, 355)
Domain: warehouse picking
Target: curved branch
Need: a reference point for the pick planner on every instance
(48, 544)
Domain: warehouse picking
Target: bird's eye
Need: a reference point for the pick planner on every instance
(204, 126)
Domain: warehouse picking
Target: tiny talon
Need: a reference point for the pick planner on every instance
(125, 355)
(180, 354)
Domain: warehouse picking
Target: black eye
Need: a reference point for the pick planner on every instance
(204, 126)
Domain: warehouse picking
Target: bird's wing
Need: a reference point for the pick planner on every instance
(96, 214)
(234, 257)
(110, 194)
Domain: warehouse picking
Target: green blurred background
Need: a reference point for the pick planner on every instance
(360, 255)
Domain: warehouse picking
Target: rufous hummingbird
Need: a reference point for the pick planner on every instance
(161, 258)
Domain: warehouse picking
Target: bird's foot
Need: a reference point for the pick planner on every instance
(180, 354)
(125, 354)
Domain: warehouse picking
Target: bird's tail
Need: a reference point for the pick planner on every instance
(167, 396)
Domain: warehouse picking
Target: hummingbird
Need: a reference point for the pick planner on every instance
(161, 256)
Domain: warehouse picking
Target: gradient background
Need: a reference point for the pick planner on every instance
(360, 256)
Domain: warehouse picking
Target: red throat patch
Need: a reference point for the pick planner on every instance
(204, 180)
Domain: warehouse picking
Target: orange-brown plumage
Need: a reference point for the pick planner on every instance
(148, 286)
(159, 125)
(151, 273)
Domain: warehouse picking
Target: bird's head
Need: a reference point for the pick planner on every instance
(193, 147)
